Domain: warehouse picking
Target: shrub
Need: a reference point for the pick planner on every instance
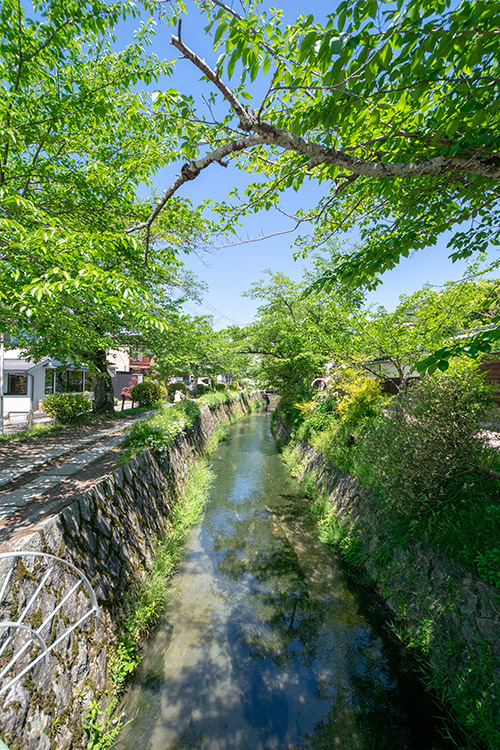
(213, 400)
(362, 401)
(290, 412)
(336, 443)
(201, 389)
(220, 387)
(160, 431)
(173, 387)
(336, 419)
(148, 392)
(319, 415)
(66, 408)
(426, 442)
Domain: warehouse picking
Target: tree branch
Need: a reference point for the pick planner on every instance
(318, 155)
(488, 166)
(192, 169)
(264, 133)
(239, 109)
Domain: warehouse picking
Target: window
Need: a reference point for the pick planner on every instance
(49, 381)
(75, 381)
(68, 381)
(17, 385)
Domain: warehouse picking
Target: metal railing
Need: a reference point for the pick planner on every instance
(39, 636)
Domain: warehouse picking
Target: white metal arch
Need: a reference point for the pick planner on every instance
(8, 674)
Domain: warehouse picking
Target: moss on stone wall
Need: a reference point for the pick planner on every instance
(442, 612)
(110, 533)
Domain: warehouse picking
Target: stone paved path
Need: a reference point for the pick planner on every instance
(17, 498)
(23, 467)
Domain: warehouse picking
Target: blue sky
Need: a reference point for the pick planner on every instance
(230, 271)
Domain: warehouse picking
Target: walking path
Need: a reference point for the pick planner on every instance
(18, 497)
(14, 472)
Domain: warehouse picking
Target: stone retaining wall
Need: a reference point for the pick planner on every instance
(109, 533)
(447, 615)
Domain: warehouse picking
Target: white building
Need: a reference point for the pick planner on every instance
(26, 382)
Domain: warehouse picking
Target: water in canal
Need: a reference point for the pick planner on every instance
(265, 647)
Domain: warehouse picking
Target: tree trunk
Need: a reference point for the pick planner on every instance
(104, 400)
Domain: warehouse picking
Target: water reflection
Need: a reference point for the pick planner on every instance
(265, 647)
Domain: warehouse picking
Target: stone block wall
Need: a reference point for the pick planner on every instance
(109, 533)
(450, 617)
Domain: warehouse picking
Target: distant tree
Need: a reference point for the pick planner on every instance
(191, 346)
(183, 348)
(300, 327)
(294, 336)
(427, 321)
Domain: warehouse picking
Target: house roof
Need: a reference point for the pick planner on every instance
(54, 364)
(17, 365)
(22, 365)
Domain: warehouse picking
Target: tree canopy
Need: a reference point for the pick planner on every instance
(77, 138)
(297, 337)
(392, 107)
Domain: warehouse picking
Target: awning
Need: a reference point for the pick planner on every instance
(54, 364)
(17, 365)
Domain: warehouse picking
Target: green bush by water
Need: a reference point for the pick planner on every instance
(335, 422)
(320, 416)
(419, 453)
(422, 455)
(160, 431)
(436, 482)
(425, 460)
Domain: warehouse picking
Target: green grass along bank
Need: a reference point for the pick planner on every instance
(124, 533)
(443, 612)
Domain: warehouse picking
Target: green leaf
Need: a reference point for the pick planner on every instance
(231, 64)
(307, 44)
(219, 31)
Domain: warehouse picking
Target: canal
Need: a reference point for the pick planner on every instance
(265, 646)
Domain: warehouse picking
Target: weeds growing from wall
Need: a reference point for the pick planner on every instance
(221, 433)
(215, 399)
(148, 603)
(160, 431)
(330, 530)
(471, 694)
